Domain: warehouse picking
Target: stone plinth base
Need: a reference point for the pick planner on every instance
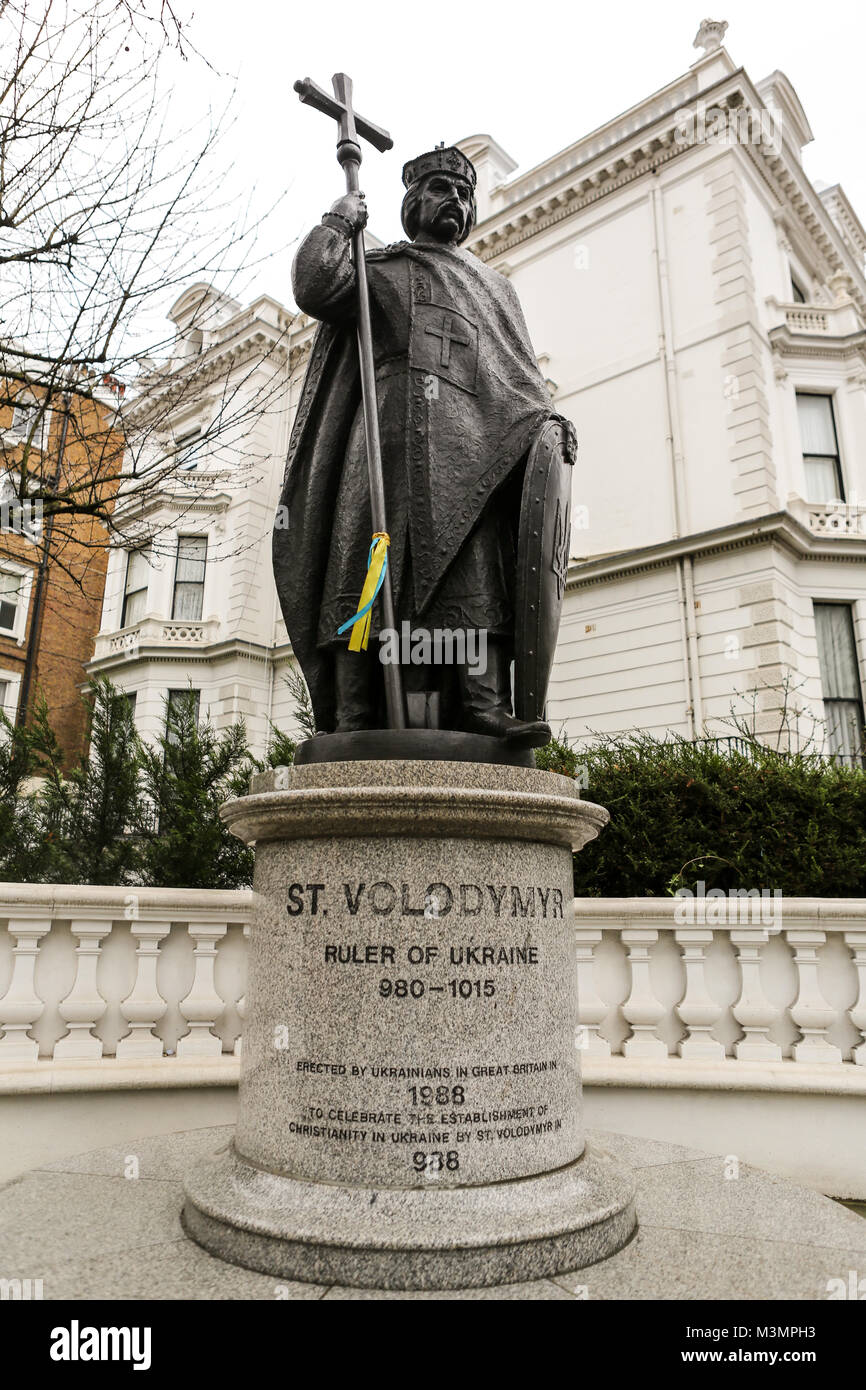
(91, 1234)
(409, 1108)
(453, 1238)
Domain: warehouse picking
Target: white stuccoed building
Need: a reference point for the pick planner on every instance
(193, 605)
(698, 308)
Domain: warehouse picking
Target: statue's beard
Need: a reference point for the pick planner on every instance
(448, 224)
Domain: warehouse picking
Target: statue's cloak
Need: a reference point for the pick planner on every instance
(467, 404)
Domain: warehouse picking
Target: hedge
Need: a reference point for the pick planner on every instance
(683, 812)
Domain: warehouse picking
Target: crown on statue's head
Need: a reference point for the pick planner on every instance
(440, 161)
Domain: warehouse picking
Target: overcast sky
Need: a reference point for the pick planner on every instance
(535, 76)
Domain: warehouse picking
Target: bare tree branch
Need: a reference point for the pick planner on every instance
(105, 205)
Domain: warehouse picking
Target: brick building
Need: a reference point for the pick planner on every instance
(52, 569)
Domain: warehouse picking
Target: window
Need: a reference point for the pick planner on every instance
(177, 697)
(135, 589)
(177, 700)
(189, 577)
(25, 413)
(126, 698)
(187, 457)
(9, 687)
(820, 449)
(797, 292)
(10, 596)
(840, 679)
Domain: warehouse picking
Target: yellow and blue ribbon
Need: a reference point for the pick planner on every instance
(377, 565)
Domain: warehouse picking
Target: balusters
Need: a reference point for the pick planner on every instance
(697, 1009)
(753, 1010)
(811, 1012)
(202, 1006)
(83, 1006)
(591, 1008)
(145, 1006)
(857, 1013)
(642, 1009)
(241, 1005)
(21, 1006)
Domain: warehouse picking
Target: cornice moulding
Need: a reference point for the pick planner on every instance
(217, 362)
(778, 528)
(787, 344)
(646, 150)
(178, 653)
(596, 167)
(836, 202)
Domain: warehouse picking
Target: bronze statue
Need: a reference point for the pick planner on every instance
(475, 476)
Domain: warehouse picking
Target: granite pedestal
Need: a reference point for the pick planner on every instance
(410, 1109)
(91, 1234)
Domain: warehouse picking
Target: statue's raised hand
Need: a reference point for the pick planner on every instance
(353, 208)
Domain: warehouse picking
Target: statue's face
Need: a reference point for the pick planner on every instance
(444, 209)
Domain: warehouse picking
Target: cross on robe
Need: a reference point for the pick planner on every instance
(447, 336)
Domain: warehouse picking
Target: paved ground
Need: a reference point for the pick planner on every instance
(91, 1232)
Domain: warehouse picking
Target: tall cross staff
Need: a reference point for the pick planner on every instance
(352, 126)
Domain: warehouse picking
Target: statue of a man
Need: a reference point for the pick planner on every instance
(462, 408)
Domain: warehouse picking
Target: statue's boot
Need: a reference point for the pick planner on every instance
(356, 701)
(486, 698)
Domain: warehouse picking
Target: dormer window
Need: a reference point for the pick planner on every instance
(199, 316)
(798, 294)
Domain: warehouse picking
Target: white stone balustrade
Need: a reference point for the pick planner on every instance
(242, 1002)
(697, 1009)
(837, 518)
(754, 981)
(21, 1006)
(753, 1010)
(145, 1006)
(856, 940)
(202, 1006)
(808, 320)
(84, 1006)
(90, 974)
(811, 1012)
(157, 632)
(111, 976)
(643, 1010)
(592, 1010)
